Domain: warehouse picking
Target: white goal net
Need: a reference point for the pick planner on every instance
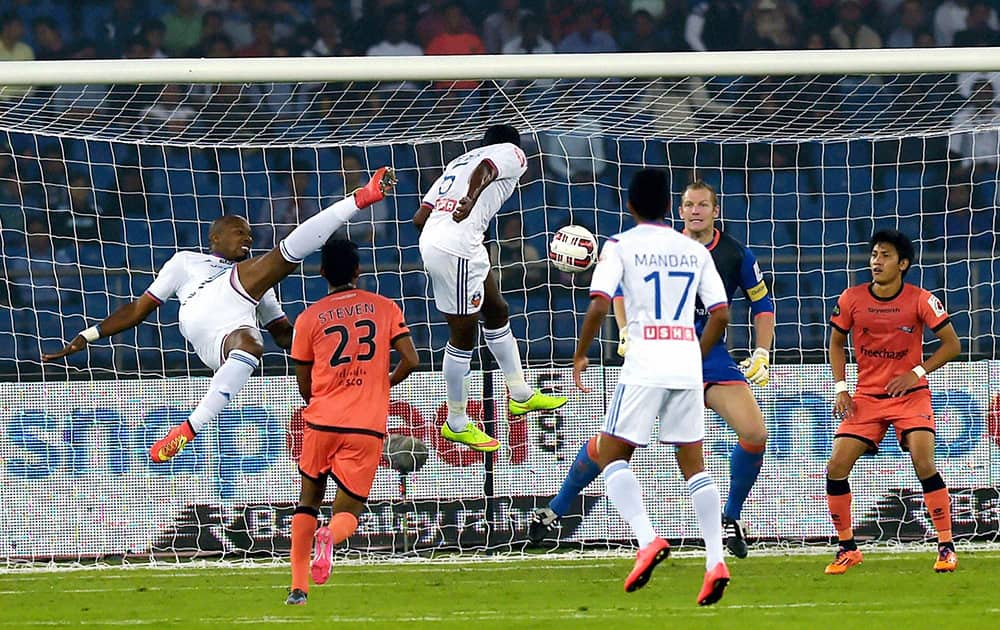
(100, 184)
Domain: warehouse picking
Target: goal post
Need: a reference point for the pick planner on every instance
(108, 167)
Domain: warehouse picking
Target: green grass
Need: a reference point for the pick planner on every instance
(888, 591)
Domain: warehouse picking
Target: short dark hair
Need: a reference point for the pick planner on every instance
(340, 261)
(648, 194)
(497, 134)
(902, 243)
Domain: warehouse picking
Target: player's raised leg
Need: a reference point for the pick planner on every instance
(500, 340)
(936, 497)
(846, 451)
(257, 275)
(737, 406)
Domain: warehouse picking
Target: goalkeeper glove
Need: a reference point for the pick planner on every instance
(756, 367)
(622, 342)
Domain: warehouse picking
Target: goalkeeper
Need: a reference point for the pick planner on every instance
(726, 390)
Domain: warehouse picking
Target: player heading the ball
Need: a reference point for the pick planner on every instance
(452, 219)
(341, 352)
(886, 319)
(223, 296)
(660, 273)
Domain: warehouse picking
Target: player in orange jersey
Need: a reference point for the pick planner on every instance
(886, 320)
(341, 351)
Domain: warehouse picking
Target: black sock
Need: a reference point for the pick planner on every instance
(849, 544)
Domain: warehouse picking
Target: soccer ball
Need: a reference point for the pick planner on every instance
(573, 249)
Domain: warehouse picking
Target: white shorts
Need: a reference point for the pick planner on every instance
(458, 283)
(210, 315)
(635, 408)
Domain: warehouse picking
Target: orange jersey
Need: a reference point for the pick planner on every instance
(887, 333)
(347, 337)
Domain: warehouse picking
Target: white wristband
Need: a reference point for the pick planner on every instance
(839, 386)
(920, 371)
(91, 334)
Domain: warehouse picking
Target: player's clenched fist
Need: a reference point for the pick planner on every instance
(757, 367)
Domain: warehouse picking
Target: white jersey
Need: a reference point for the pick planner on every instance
(660, 272)
(465, 238)
(187, 273)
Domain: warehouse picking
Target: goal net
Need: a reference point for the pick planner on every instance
(102, 181)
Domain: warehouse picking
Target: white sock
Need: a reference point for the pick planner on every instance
(227, 382)
(456, 366)
(310, 235)
(502, 344)
(623, 489)
(705, 497)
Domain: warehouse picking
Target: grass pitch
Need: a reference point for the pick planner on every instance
(888, 590)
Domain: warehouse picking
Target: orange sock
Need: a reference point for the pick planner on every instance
(342, 525)
(938, 505)
(303, 531)
(838, 498)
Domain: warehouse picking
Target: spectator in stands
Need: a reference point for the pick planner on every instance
(563, 15)
(503, 25)
(81, 219)
(122, 25)
(712, 25)
(951, 17)
(924, 39)
(587, 38)
(771, 25)
(977, 151)
(521, 264)
(455, 40)
(153, 31)
(432, 22)
(396, 43)
(262, 41)
(978, 31)
(850, 31)
(292, 204)
(912, 20)
(48, 40)
(211, 31)
(170, 115)
(183, 27)
(328, 42)
(576, 156)
(12, 44)
(643, 36)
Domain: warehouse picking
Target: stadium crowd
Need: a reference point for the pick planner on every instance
(102, 205)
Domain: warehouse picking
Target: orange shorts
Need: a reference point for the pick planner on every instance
(350, 456)
(873, 415)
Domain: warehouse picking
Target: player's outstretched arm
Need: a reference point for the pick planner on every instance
(843, 405)
(126, 316)
(483, 176)
(408, 360)
(596, 312)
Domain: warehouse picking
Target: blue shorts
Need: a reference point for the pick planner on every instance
(719, 367)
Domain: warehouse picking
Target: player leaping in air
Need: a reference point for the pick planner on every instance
(726, 390)
(660, 273)
(452, 219)
(886, 320)
(223, 296)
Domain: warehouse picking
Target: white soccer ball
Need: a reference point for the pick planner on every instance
(573, 249)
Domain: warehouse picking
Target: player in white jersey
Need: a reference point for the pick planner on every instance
(453, 218)
(224, 296)
(660, 273)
